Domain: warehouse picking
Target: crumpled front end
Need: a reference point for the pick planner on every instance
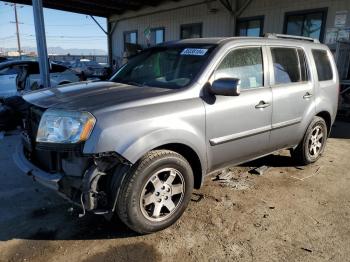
(84, 179)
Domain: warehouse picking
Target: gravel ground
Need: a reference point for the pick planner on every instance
(288, 214)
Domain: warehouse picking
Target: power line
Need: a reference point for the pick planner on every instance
(71, 36)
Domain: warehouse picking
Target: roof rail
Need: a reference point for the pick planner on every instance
(281, 36)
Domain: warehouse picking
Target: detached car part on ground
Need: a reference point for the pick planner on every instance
(137, 145)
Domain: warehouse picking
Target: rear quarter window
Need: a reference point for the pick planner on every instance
(323, 65)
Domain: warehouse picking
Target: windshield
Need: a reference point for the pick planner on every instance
(168, 67)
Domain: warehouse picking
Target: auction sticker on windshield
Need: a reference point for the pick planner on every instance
(194, 51)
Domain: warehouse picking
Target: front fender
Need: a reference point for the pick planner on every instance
(133, 145)
(162, 137)
(133, 133)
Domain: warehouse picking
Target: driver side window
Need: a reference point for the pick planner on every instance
(245, 64)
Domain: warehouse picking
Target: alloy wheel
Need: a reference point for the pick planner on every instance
(162, 194)
(316, 141)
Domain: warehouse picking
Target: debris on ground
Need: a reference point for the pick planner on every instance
(306, 249)
(224, 175)
(259, 170)
(197, 197)
(237, 181)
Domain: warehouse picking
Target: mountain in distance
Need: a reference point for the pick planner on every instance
(60, 51)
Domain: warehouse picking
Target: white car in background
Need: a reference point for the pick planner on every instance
(17, 77)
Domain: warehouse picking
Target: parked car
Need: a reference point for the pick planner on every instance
(19, 77)
(89, 69)
(136, 146)
(67, 64)
(22, 76)
(3, 59)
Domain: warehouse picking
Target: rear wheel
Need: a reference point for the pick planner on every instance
(156, 191)
(312, 146)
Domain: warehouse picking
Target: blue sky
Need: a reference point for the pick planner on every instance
(63, 29)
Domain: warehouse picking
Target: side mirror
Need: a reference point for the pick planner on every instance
(225, 87)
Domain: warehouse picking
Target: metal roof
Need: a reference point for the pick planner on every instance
(104, 8)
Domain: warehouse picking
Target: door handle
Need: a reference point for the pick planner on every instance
(262, 104)
(307, 95)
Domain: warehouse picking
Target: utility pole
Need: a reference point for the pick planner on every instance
(17, 31)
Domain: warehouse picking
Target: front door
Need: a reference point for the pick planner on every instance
(238, 127)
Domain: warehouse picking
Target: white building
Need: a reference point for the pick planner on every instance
(326, 20)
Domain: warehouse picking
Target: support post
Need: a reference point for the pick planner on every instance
(41, 42)
(109, 39)
(17, 32)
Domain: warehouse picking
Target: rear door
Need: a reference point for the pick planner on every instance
(238, 127)
(293, 95)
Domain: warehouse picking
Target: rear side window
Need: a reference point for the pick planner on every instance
(289, 65)
(323, 65)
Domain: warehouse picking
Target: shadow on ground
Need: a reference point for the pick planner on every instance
(341, 130)
(272, 161)
(46, 224)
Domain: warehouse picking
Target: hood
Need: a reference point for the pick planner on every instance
(90, 96)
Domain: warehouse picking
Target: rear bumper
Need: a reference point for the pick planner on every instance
(47, 179)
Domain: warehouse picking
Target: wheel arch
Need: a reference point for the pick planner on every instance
(191, 156)
(326, 116)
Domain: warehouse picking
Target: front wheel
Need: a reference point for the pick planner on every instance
(156, 191)
(312, 146)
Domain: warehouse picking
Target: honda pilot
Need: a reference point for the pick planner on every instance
(137, 145)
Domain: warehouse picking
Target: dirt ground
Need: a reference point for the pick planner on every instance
(288, 214)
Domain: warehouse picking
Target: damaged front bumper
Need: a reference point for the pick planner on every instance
(86, 190)
(47, 179)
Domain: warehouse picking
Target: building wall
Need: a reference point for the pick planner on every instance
(215, 23)
(274, 11)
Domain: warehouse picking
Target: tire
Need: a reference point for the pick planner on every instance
(160, 178)
(313, 144)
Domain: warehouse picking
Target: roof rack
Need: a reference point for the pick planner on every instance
(281, 36)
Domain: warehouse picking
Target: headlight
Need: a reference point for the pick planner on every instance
(68, 127)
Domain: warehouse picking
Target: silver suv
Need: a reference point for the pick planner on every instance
(137, 145)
